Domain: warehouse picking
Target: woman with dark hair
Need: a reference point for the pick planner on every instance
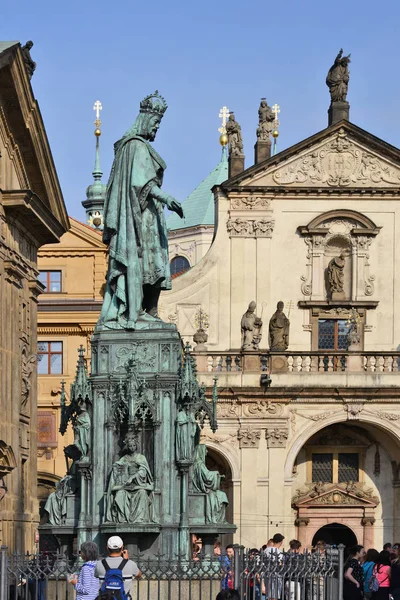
(353, 575)
(382, 571)
(371, 558)
(86, 584)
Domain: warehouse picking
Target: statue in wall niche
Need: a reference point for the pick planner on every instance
(135, 228)
(251, 327)
(209, 482)
(186, 434)
(338, 77)
(234, 133)
(279, 330)
(130, 488)
(81, 427)
(336, 273)
(56, 504)
(266, 119)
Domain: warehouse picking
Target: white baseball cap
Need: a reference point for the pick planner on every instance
(115, 542)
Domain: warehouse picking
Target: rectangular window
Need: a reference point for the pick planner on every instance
(322, 467)
(50, 358)
(51, 281)
(348, 467)
(332, 334)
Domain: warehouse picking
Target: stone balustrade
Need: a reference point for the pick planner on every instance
(297, 362)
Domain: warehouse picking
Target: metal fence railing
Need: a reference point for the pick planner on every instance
(256, 576)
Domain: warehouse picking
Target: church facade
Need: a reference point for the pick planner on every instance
(292, 309)
(309, 417)
(32, 213)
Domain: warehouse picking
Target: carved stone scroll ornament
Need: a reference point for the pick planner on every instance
(251, 203)
(263, 228)
(246, 228)
(276, 438)
(339, 163)
(249, 437)
(262, 408)
(353, 411)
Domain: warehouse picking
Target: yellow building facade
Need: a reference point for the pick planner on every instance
(73, 273)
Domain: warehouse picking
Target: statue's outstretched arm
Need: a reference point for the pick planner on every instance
(168, 200)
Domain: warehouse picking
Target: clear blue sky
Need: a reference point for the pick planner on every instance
(200, 55)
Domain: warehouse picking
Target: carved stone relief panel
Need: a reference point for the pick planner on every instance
(276, 438)
(241, 227)
(249, 437)
(338, 162)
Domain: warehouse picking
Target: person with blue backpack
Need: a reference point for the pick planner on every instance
(85, 583)
(116, 572)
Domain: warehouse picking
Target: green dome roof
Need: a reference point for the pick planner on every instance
(96, 191)
(199, 205)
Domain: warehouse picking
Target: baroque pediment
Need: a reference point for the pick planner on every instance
(343, 158)
(342, 494)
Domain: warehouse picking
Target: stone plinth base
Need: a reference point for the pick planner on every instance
(338, 111)
(235, 165)
(355, 363)
(182, 589)
(338, 296)
(251, 361)
(262, 151)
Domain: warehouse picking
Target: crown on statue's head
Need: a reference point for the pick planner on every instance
(154, 104)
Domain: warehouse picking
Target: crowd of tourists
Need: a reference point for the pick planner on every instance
(372, 575)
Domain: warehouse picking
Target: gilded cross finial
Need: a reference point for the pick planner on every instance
(223, 114)
(97, 107)
(276, 110)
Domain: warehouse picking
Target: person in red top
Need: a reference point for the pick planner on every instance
(382, 572)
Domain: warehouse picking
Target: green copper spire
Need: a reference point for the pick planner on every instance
(96, 193)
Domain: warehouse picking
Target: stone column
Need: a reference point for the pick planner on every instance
(301, 524)
(368, 539)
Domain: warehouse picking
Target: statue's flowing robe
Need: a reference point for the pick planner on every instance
(82, 432)
(278, 331)
(337, 81)
(186, 429)
(136, 232)
(336, 274)
(133, 503)
(208, 482)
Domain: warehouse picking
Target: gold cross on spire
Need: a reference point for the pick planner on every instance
(97, 107)
(276, 110)
(223, 114)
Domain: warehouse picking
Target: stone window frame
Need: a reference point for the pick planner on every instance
(335, 451)
(174, 258)
(359, 233)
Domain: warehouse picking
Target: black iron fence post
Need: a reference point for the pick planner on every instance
(237, 565)
(341, 548)
(3, 572)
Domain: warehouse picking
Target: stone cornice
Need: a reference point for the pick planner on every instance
(59, 329)
(23, 116)
(25, 208)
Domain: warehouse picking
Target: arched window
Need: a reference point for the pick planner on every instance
(178, 265)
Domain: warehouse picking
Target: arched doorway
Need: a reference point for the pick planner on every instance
(341, 473)
(215, 461)
(335, 534)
